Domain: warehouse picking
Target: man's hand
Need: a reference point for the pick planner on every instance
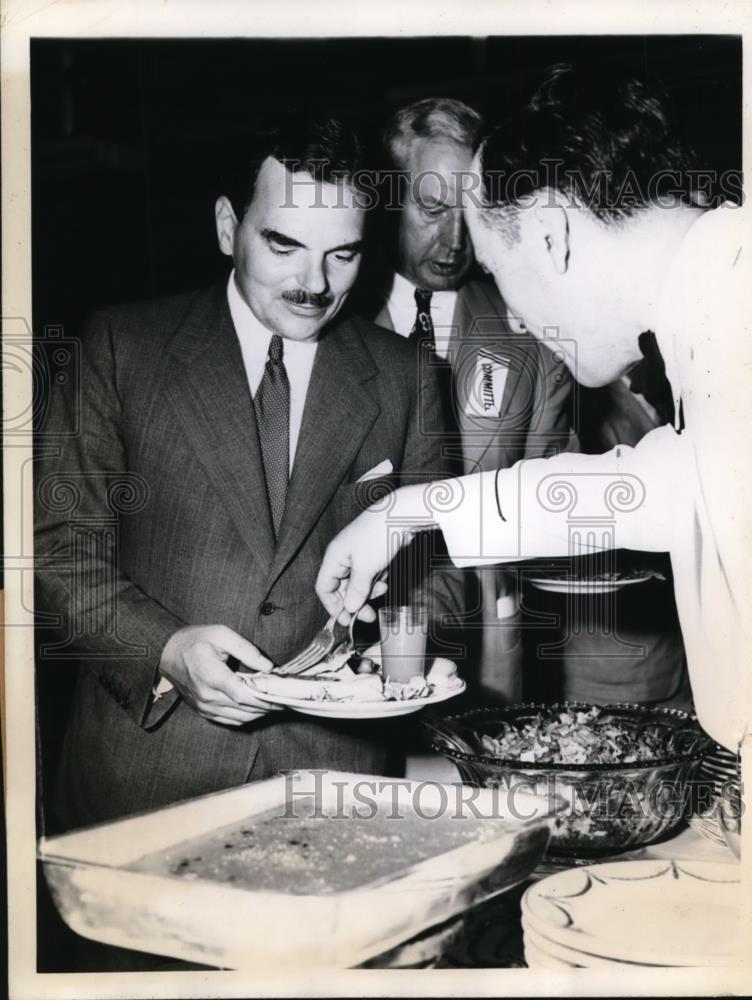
(195, 661)
(357, 558)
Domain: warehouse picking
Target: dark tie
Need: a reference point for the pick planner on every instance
(272, 405)
(648, 378)
(422, 330)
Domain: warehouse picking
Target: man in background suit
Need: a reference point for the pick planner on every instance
(216, 448)
(506, 397)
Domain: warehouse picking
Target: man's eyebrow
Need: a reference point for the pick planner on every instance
(272, 236)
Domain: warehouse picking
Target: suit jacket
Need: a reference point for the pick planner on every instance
(152, 514)
(528, 414)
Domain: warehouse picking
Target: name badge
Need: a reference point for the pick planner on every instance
(487, 389)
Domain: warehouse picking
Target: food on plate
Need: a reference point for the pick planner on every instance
(340, 677)
(443, 673)
(416, 687)
(576, 737)
(315, 852)
(362, 687)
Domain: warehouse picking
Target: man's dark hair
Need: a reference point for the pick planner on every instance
(431, 118)
(603, 140)
(324, 147)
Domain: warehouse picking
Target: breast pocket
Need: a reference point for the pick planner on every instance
(352, 499)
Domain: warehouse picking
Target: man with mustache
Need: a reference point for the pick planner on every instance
(505, 397)
(591, 254)
(246, 420)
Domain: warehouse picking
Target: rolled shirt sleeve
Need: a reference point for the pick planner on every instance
(569, 504)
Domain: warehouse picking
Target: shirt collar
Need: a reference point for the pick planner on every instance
(402, 292)
(244, 319)
(665, 333)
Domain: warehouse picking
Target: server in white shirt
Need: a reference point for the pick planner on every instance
(505, 398)
(590, 262)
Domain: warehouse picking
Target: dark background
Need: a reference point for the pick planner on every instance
(128, 136)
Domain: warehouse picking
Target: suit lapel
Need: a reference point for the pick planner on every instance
(481, 323)
(384, 319)
(339, 413)
(208, 389)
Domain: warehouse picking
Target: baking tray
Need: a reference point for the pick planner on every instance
(234, 928)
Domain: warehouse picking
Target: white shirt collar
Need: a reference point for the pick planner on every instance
(247, 326)
(402, 309)
(666, 309)
(402, 292)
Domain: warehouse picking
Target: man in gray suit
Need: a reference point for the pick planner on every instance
(185, 499)
(506, 397)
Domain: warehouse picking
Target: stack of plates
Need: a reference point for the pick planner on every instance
(720, 769)
(634, 913)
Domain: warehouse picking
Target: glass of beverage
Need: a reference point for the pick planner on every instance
(403, 642)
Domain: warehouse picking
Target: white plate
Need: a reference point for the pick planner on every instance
(537, 958)
(658, 912)
(360, 709)
(560, 954)
(562, 585)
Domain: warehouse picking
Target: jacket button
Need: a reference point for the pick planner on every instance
(267, 608)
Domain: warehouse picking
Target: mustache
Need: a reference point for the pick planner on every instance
(300, 297)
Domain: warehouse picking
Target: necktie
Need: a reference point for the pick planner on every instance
(423, 327)
(648, 377)
(272, 406)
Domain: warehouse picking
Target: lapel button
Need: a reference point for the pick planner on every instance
(267, 608)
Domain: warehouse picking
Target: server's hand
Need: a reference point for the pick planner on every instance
(358, 556)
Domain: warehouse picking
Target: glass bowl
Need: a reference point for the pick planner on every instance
(609, 807)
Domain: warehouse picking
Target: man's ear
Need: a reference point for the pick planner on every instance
(226, 222)
(554, 222)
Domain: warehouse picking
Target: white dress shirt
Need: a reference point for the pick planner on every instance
(685, 493)
(402, 309)
(254, 340)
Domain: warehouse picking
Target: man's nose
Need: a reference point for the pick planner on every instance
(314, 278)
(454, 234)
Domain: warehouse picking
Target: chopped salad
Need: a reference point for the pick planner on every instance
(577, 737)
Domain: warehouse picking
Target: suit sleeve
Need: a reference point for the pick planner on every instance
(423, 572)
(83, 488)
(627, 498)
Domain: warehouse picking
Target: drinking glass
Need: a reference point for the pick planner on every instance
(403, 642)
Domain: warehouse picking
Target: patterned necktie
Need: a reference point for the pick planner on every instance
(422, 330)
(272, 406)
